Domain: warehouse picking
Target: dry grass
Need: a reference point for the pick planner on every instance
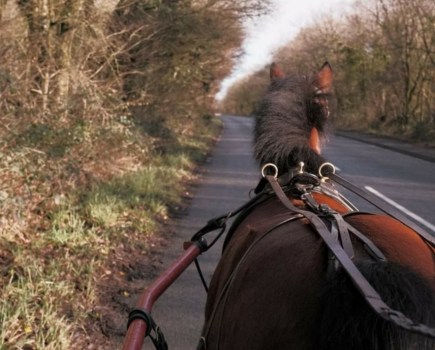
(57, 237)
(88, 174)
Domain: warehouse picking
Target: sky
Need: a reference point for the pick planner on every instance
(266, 34)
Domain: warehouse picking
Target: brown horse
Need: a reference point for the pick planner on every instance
(277, 285)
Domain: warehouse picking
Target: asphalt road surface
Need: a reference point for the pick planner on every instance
(227, 178)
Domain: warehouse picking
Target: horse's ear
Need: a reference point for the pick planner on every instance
(323, 80)
(275, 71)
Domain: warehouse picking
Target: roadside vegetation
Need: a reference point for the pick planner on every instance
(105, 109)
(383, 58)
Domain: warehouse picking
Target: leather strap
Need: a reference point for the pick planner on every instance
(343, 233)
(339, 227)
(360, 282)
(370, 247)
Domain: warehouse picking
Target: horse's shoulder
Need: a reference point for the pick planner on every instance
(398, 242)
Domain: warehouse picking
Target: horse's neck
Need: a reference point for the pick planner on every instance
(322, 198)
(333, 203)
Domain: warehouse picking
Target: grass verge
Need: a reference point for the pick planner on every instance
(52, 290)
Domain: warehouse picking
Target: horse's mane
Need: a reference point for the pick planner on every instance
(284, 120)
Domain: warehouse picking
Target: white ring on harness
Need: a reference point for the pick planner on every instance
(324, 165)
(271, 165)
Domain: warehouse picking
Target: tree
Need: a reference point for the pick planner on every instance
(243, 97)
(383, 58)
(2, 8)
(52, 27)
(407, 30)
(175, 54)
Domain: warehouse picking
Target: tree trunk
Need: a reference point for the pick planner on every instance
(52, 28)
(2, 8)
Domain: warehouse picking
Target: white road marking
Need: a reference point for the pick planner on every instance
(401, 208)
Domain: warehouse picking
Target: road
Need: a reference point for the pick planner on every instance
(406, 180)
(227, 178)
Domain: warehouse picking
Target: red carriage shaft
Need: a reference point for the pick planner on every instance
(138, 327)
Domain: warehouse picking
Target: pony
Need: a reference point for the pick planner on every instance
(277, 286)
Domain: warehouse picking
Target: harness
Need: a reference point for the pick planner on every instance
(327, 222)
(329, 225)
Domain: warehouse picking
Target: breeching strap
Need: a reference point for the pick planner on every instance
(360, 282)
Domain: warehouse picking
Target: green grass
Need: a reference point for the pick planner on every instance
(68, 228)
(50, 286)
(104, 209)
(151, 189)
(28, 312)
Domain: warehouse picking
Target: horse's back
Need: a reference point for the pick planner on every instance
(269, 260)
(399, 243)
(266, 292)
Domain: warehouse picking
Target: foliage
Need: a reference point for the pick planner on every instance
(383, 60)
(104, 110)
(243, 97)
(180, 64)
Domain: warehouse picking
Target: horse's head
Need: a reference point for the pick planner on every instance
(292, 118)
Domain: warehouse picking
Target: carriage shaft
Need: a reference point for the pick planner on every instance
(138, 327)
